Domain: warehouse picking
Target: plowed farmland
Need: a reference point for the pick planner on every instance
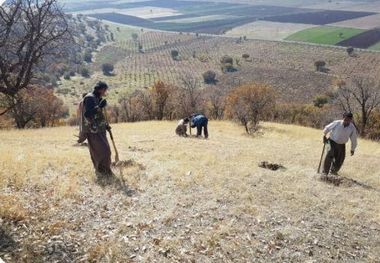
(319, 17)
(364, 40)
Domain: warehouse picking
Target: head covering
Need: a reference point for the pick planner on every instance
(100, 85)
(348, 115)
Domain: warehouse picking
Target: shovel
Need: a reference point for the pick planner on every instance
(320, 162)
(117, 160)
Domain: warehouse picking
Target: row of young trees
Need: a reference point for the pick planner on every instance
(250, 103)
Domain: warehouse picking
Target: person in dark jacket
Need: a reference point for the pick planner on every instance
(200, 122)
(95, 126)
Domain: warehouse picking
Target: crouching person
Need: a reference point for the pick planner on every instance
(181, 129)
(95, 126)
(200, 122)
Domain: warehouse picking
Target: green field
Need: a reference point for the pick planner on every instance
(325, 35)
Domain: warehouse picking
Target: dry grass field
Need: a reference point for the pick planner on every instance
(368, 22)
(186, 200)
(267, 30)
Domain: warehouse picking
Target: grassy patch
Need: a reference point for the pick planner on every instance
(325, 35)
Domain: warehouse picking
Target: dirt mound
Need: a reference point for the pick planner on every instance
(271, 166)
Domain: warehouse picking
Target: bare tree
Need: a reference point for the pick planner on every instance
(30, 31)
(189, 97)
(215, 102)
(160, 95)
(362, 93)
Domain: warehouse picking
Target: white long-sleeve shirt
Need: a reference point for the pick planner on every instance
(341, 134)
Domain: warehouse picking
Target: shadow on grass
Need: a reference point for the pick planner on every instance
(116, 179)
(345, 181)
(7, 244)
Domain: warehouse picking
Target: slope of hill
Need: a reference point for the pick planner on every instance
(288, 67)
(186, 200)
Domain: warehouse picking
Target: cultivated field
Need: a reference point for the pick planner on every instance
(363, 40)
(274, 20)
(368, 22)
(318, 17)
(267, 30)
(186, 200)
(288, 67)
(325, 35)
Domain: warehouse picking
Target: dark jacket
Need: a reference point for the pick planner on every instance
(198, 120)
(93, 117)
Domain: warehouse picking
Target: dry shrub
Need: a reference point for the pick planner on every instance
(373, 131)
(105, 252)
(249, 104)
(303, 114)
(11, 209)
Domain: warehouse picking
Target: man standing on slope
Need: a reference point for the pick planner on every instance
(340, 132)
(95, 126)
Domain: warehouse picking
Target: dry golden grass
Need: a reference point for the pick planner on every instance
(202, 200)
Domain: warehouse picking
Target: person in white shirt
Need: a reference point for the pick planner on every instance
(181, 129)
(340, 132)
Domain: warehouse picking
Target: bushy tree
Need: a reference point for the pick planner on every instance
(88, 56)
(135, 36)
(107, 69)
(174, 53)
(37, 107)
(320, 66)
(209, 77)
(320, 101)
(85, 73)
(227, 64)
(350, 51)
(248, 104)
(160, 94)
(227, 60)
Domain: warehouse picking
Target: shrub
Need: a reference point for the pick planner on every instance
(227, 60)
(227, 64)
(67, 76)
(250, 103)
(174, 53)
(320, 101)
(135, 36)
(350, 51)
(209, 77)
(87, 56)
(85, 73)
(320, 65)
(107, 69)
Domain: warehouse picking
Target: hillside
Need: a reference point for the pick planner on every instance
(288, 67)
(186, 200)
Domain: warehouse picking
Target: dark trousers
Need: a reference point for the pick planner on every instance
(100, 152)
(334, 157)
(205, 129)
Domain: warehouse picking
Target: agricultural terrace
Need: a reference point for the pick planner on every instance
(286, 66)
